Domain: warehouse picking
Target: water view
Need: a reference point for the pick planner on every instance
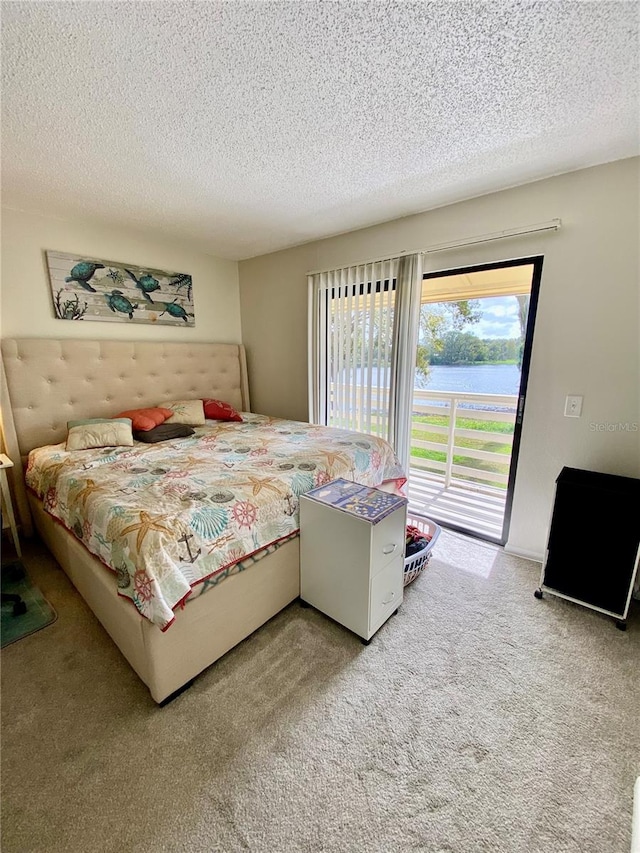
(474, 378)
(481, 454)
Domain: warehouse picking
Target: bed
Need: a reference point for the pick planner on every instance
(50, 382)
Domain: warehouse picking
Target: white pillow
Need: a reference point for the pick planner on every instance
(99, 432)
(190, 412)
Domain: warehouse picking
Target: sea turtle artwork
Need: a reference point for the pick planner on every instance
(176, 310)
(118, 302)
(181, 281)
(69, 308)
(146, 283)
(83, 273)
(86, 288)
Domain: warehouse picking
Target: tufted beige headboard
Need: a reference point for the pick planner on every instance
(49, 382)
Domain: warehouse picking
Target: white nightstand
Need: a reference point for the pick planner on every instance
(352, 542)
(5, 464)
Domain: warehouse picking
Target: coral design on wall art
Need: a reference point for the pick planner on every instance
(86, 288)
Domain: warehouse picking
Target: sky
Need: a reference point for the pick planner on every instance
(499, 318)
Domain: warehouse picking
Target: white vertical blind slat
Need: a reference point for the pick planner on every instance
(405, 339)
(333, 361)
(322, 350)
(369, 273)
(386, 336)
(355, 332)
(349, 347)
(379, 366)
(370, 314)
(361, 367)
(340, 407)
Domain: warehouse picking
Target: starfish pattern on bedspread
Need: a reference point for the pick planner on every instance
(133, 507)
(144, 526)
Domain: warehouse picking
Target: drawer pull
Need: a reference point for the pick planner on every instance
(389, 549)
(389, 600)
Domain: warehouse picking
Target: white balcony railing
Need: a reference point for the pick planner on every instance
(447, 434)
(474, 429)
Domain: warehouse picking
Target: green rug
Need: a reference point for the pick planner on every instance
(15, 581)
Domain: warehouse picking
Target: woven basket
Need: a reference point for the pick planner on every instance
(418, 562)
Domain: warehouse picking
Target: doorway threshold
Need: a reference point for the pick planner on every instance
(476, 510)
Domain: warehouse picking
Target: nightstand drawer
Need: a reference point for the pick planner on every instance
(387, 541)
(385, 593)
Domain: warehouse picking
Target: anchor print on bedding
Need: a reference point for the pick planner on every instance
(169, 516)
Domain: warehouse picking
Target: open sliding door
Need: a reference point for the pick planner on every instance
(476, 336)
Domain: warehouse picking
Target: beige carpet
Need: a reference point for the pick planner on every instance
(478, 719)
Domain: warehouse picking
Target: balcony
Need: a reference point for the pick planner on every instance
(460, 456)
(461, 446)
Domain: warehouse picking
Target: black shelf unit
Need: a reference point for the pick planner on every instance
(594, 541)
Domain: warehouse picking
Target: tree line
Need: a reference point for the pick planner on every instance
(363, 338)
(443, 339)
(456, 347)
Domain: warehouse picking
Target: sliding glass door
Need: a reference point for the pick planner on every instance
(476, 333)
(454, 412)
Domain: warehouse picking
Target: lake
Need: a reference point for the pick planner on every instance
(474, 378)
(469, 378)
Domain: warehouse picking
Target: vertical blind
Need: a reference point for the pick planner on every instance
(351, 332)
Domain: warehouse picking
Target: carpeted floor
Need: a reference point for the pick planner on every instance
(478, 719)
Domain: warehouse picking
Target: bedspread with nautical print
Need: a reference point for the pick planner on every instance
(170, 515)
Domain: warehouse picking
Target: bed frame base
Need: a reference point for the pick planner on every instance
(45, 383)
(204, 630)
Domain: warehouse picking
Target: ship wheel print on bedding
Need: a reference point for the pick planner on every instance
(143, 589)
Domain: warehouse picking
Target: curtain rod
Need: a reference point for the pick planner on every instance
(551, 225)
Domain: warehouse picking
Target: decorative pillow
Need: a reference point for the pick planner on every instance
(189, 412)
(163, 433)
(218, 410)
(99, 432)
(143, 419)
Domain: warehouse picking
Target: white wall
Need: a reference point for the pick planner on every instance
(586, 337)
(26, 308)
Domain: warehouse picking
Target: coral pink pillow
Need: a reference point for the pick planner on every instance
(217, 410)
(145, 419)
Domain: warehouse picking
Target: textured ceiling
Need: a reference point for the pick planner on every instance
(246, 127)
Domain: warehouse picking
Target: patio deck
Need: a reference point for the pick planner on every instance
(477, 508)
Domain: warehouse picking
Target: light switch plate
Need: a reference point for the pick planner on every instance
(573, 406)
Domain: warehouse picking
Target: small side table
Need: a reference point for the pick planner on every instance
(352, 541)
(5, 464)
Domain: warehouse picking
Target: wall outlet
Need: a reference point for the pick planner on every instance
(573, 407)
